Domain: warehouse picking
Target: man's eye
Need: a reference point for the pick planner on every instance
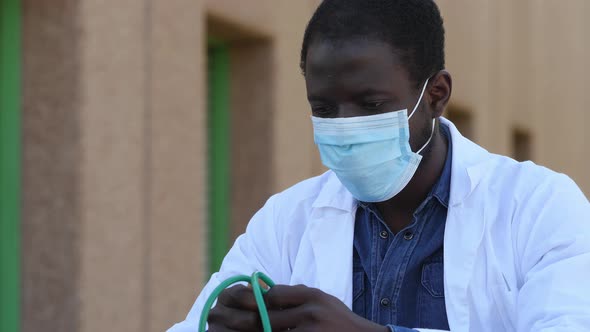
(372, 105)
(321, 111)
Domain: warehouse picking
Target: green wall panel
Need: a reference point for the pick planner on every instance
(10, 97)
(219, 152)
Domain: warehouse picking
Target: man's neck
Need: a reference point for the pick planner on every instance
(398, 211)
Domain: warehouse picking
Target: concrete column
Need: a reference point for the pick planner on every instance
(560, 57)
(113, 172)
(52, 153)
(176, 158)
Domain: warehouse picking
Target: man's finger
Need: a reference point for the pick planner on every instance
(239, 297)
(287, 319)
(234, 319)
(282, 296)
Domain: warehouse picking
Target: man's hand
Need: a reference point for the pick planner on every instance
(298, 308)
(301, 308)
(236, 310)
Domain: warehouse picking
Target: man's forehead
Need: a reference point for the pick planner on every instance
(353, 61)
(354, 51)
(326, 56)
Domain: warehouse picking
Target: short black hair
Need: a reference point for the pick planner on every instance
(414, 29)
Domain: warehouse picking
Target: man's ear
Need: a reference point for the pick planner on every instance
(439, 92)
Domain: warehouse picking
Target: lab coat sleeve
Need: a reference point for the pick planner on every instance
(256, 250)
(553, 245)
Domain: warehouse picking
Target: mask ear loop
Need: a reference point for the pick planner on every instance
(419, 99)
(414, 111)
(430, 138)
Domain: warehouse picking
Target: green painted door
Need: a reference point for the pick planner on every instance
(219, 152)
(10, 15)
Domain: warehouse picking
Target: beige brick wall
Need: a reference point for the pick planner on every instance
(115, 197)
(522, 64)
(114, 169)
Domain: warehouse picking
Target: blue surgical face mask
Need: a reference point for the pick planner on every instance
(371, 155)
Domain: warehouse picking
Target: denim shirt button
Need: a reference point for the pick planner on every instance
(408, 236)
(385, 302)
(384, 234)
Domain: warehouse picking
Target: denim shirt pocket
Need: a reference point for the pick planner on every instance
(432, 278)
(431, 297)
(358, 300)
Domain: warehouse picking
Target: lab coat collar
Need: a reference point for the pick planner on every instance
(334, 195)
(470, 164)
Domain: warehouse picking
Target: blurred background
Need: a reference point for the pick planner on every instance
(137, 137)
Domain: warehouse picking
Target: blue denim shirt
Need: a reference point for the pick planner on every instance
(398, 278)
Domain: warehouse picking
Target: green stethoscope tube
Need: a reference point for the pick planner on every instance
(258, 293)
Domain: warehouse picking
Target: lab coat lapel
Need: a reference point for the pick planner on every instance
(465, 226)
(331, 234)
(332, 237)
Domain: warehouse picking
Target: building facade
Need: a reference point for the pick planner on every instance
(146, 133)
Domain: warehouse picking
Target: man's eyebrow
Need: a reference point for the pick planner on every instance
(372, 92)
(357, 95)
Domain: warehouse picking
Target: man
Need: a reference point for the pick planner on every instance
(414, 226)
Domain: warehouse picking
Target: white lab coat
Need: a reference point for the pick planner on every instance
(516, 246)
